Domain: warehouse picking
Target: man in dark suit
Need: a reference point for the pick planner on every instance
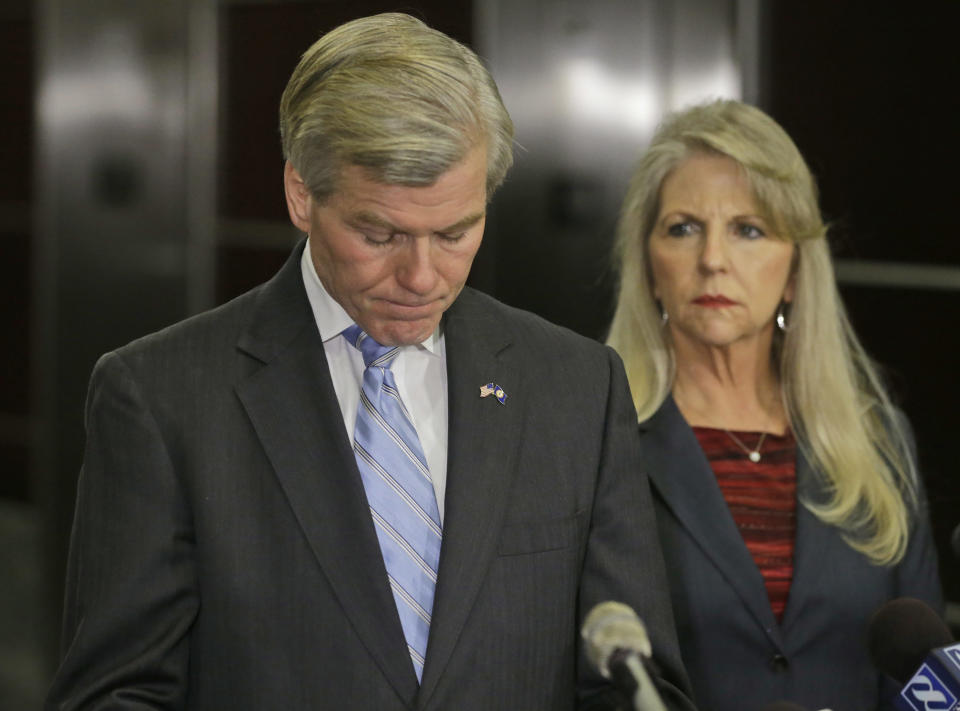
(362, 485)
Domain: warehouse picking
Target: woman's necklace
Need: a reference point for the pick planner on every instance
(752, 454)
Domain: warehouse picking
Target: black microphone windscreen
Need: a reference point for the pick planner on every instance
(783, 706)
(901, 634)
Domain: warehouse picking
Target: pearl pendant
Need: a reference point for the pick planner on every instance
(754, 457)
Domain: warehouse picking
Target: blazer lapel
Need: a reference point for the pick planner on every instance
(682, 475)
(483, 441)
(293, 407)
(814, 540)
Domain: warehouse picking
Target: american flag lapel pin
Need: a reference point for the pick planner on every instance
(495, 390)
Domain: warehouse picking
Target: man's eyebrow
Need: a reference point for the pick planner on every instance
(369, 219)
(464, 224)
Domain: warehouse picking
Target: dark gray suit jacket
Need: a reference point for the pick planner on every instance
(223, 555)
(737, 656)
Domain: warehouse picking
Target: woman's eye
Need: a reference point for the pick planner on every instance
(681, 229)
(749, 231)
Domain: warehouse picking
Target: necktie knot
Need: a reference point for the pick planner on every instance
(373, 353)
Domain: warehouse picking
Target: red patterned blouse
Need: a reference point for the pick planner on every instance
(762, 497)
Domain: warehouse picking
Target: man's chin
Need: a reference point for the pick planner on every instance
(402, 333)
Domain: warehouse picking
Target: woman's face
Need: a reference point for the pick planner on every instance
(718, 270)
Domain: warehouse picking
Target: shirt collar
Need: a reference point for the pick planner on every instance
(330, 316)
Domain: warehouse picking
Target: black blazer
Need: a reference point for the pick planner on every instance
(737, 655)
(223, 555)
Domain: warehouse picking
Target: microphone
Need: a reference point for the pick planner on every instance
(617, 645)
(909, 642)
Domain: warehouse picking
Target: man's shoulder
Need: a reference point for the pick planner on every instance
(526, 338)
(221, 324)
(521, 326)
(273, 309)
(197, 353)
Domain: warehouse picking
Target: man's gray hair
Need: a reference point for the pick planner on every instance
(389, 94)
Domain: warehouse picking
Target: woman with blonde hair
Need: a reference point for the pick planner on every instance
(789, 505)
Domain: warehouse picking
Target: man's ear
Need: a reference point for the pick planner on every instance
(298, 198)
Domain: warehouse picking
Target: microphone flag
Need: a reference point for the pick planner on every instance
(935, 686)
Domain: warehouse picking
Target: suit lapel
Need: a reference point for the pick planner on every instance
(484, 437)
(293, 407)
(682, 475)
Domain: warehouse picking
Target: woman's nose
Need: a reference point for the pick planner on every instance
(713, 251)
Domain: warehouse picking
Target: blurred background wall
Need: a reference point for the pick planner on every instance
(140, 182)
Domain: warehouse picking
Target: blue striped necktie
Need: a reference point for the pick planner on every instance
(400, 493)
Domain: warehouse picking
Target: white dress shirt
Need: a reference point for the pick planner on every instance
(420, 372)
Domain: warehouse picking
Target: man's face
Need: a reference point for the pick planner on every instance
(394, 257)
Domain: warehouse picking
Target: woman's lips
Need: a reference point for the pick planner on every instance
(713, 301)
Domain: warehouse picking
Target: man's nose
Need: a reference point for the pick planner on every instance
(416, 271)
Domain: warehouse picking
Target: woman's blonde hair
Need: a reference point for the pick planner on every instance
(838, 408)
(392, 95)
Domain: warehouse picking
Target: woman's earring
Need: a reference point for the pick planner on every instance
(664, 316)
(781, 319)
